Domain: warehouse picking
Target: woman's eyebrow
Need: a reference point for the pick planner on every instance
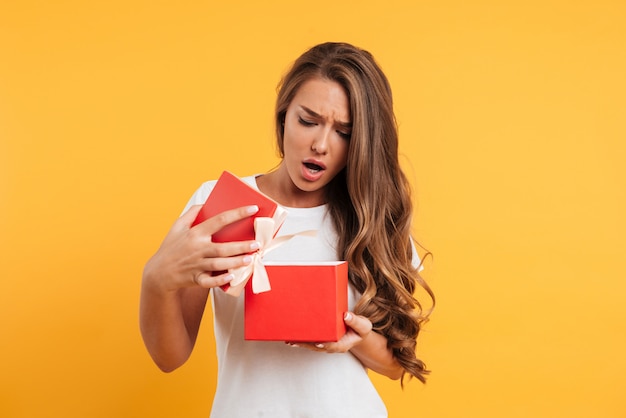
(318, 116)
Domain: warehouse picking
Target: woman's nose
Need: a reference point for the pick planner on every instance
(320, 143)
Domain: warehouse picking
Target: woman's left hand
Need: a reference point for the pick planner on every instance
(358, 328)
(370, 348)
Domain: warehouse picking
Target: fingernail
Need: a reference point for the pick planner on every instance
(319, 345)
(247, 259)
(347, 316)
(229, 278)
(255, 246)
(252, 209)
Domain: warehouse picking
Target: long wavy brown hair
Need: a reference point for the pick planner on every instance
(370, 200)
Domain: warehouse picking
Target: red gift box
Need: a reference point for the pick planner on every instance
(231, 192)
(307, 303)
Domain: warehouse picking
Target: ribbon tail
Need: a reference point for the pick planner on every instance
(242, 274)
(260, 279)
(278, 241)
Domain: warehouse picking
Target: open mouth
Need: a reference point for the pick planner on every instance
(314, 168)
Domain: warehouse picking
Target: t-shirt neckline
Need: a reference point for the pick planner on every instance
(320, 208)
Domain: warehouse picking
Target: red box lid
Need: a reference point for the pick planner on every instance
(230, 192)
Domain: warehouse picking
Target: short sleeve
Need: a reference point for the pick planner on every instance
(200, 196)
(416, 258)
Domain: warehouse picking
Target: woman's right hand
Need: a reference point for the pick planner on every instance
(187, 257)
(177, 279)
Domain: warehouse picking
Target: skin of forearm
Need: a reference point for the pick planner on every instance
(374, 354)
(163, 327)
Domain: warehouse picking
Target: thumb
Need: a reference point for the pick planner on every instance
(187, 218)
(359, 324)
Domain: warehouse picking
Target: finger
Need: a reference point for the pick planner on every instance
(328, 347)
(187, 218)
(184, 222)
(212, 264)
(305, 345)
(229, 249)
(319, 347)
(219, 221)
(340, 346)
(349, 340)
(360, 324)
(208, 281)
(345, 343)
(192, 213)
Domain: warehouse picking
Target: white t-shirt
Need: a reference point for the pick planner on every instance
(272, 379)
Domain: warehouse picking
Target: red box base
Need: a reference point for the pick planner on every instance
(307, 303)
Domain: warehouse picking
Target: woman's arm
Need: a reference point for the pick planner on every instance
(169, 323)
(177, 279)
(372, 350)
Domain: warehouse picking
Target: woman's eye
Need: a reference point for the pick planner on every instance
(305, 122)
(345, 135)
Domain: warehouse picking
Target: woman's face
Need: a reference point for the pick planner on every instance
(316, 134)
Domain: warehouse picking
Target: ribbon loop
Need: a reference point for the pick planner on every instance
(264, 229)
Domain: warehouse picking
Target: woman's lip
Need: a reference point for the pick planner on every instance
(312, 175)
(316, 162)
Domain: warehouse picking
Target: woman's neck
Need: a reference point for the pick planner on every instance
(278, 186)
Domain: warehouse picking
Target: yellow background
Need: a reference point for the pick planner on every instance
(512, 122)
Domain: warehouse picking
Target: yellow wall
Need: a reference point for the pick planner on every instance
(511, 117)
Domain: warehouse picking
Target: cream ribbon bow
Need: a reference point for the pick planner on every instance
(264, 229)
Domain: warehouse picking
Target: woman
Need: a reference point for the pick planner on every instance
(340, 175)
